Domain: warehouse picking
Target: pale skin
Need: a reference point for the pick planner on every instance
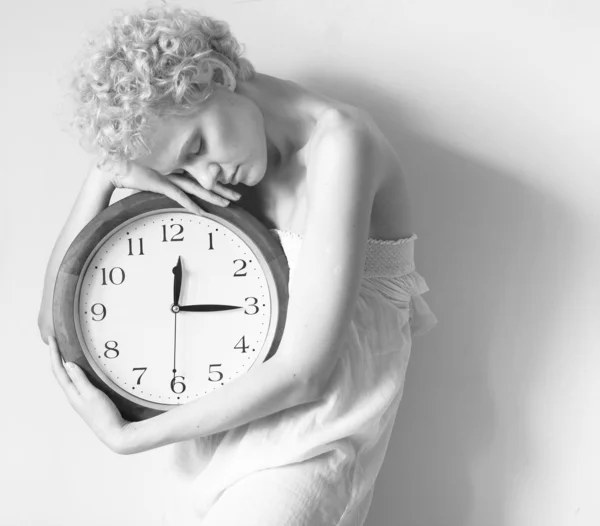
(282, 137)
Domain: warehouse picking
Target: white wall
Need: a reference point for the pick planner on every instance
(493, 106)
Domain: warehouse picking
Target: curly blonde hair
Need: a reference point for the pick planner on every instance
(144, 64)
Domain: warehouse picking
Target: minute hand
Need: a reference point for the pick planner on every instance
(207, 308)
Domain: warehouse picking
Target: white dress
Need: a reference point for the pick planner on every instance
(315, 464)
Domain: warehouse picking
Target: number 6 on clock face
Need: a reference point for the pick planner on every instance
(161, 306)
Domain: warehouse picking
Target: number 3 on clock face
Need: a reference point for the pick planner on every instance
(159, 341)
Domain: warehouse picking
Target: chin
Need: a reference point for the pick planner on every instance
(248, 180)
(257, 175)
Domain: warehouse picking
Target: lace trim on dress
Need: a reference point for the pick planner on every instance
(371, 240)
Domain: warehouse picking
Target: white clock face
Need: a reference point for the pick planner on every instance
(124, 307)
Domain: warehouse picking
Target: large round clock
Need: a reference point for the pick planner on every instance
(161, 306)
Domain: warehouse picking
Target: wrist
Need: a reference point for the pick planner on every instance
(104, 178)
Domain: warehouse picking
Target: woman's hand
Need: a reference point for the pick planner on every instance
(91, 404)
(128, 174)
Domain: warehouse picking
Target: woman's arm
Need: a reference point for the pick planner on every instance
(93, 197)
(341, 185)
(267, 388)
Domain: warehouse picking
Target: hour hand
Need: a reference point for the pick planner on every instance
(177, 271)
(207, 308)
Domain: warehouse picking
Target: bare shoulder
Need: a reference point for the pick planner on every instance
(391, 211)
(346, 118)
(338, 125)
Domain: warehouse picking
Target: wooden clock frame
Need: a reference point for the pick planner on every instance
(233, 217)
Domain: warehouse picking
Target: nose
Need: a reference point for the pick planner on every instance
(207, 175)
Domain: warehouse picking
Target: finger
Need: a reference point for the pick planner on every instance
(59, 371)
(166, 187)
(216, 188)
(79, 379)
(191, 186)
(227, 192)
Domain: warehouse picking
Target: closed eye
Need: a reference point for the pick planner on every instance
(191, 154)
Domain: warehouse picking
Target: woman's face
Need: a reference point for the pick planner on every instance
(225, 133)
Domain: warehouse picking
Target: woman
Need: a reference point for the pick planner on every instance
(169, 105)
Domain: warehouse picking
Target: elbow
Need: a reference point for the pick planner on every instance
(302, 388)
(317, 377)
(311, 388)
(299, 382)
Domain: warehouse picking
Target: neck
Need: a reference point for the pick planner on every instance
(289, 115)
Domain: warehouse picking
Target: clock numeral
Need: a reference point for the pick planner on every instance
(244, 346)
(111, 352)
(210, 237)
(177, 386)
(114, 272)
(218, 372)
(101, 313)
(253, 305)
(143, 369)
(174, 237)
(141, 253)
(236, 275)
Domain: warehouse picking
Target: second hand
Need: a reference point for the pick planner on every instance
(175, 348)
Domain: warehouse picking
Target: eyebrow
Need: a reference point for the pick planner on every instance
(187, 142)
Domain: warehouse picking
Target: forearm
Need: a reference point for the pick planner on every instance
(93, 197)
(265, 389)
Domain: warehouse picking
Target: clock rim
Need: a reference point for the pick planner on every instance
(77, 318)
(86, 244)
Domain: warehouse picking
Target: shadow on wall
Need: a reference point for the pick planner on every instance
(487, 246)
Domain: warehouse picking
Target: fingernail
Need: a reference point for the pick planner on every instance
(69, 366)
